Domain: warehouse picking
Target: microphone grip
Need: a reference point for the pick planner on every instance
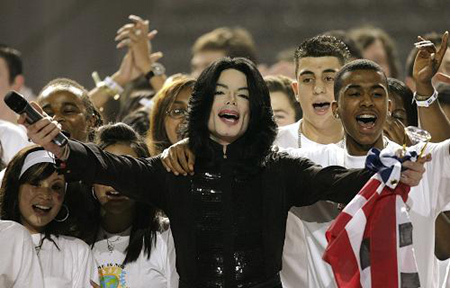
(33, 115)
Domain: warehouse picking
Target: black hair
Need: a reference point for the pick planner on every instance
(400, 88)
(262, 129)
(146, 221)
(322, 46)
(139, 120)
(9, 193)
(13, 60)
(360, 64)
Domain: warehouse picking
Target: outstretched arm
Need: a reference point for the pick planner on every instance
(309, 183)
(144, 179)
(426, 64)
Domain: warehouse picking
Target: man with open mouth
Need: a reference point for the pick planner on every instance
(317, 60)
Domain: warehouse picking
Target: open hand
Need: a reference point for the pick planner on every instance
(428, 58)
(178, 158)
(414, 171)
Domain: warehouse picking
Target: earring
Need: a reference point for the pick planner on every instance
(93, 193)
(336, 115)
(67, 214)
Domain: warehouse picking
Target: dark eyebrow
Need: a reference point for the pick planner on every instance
(329, 71)
(69, 104)
(46, 106)
(222, 85)
(178, 102)
(376, 86)
(353, 86)
(225, 86)
(306, 73)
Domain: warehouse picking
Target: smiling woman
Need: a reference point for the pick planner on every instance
(32, 193)
(169, 114)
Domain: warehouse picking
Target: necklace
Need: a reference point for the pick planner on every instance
(110, 243)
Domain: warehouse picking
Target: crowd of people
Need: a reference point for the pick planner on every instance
(230, 176)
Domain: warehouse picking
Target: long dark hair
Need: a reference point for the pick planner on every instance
(146, 221)
(157, 139)
(262, 129)
(9, 193)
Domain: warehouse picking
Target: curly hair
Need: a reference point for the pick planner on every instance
(322, 46)
(262, 129)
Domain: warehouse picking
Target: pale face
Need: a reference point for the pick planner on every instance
(110, 199)
(202, 59)
(314, 88)
(39, 203)
(230, 112)
(5, 87)
(172, 124)
(283, 112)
(363, 106)
(69, 110)
(377, 54)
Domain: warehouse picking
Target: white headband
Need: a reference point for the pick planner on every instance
(36, 157)
(60, 87)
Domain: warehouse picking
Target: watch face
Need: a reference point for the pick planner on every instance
(158, 69)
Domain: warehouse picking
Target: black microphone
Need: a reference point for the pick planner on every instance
(20, 105)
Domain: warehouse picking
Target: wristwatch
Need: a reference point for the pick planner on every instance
(157, 70)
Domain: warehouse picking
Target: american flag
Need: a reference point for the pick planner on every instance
(370, 242)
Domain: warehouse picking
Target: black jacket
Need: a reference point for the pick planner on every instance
(228, 227)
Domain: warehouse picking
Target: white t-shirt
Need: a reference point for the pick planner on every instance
(19, 265)
(426, 201)
(158, 271)
(72, 265)
(12, 139)
(295, 272)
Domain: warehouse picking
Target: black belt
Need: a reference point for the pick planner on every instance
(273, 282)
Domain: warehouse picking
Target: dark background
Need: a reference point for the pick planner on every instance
(72, 38)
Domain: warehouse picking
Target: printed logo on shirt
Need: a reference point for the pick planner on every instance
(112, 275)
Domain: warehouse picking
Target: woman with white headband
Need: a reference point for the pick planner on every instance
(32, 193)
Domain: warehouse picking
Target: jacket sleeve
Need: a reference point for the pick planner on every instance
(141, 178)
(307, 182)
